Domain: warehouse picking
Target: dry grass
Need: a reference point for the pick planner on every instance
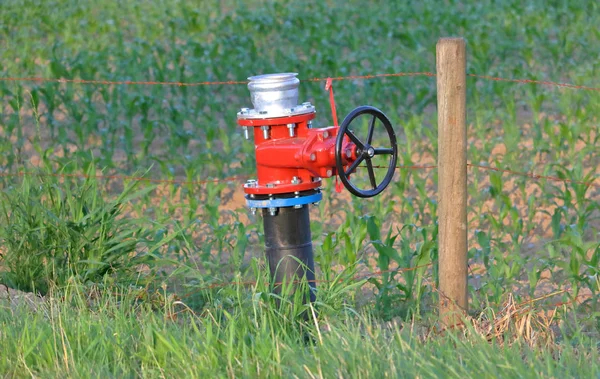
(517, 322)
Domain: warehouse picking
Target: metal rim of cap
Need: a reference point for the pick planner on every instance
(273, 77)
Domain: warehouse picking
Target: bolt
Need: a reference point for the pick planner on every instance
(265, 130)
(291, 129)
(272, 211)
(329, 172)
(246, 134)
(326, 134)
(309, 124)
(297, 206)
(296, 180)
(253, 211)
(313, 157)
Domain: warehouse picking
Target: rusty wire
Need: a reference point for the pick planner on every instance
(240, 178)
(337, 78)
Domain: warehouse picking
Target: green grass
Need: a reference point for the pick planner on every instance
(527, 237)
(246, 335)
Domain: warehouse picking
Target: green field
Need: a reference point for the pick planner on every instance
(166, 278)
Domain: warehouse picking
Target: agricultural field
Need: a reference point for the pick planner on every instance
(126, 248)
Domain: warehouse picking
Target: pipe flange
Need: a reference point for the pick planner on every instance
(284, 202)
(301, 109)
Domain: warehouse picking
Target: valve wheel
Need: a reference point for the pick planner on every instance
(365, 152)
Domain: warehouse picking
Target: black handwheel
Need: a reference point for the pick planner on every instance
(365, 151)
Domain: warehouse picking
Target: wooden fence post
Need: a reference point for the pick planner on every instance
(452, 185)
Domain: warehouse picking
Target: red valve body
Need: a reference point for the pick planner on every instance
(287, 164)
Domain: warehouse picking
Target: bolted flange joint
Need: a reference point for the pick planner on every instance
(283, 202)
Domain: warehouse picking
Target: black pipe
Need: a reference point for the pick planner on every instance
(289, 247)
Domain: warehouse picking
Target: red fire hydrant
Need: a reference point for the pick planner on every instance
(291, 159)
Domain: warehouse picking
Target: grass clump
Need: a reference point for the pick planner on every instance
(53, 230)
(242, 333)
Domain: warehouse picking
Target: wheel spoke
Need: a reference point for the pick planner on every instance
(354, 165)
(384, 150)
(355, 139)
(371, 128)
(371, 173)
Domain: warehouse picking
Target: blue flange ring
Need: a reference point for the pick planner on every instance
(284, 202)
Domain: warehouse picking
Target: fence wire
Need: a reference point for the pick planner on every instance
(337, 78)
(242, 178)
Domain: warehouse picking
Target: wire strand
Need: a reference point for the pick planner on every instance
(125, 178)
(533, 81)
(195, 84)
(239, 82)
(241, 178)
(534, 176)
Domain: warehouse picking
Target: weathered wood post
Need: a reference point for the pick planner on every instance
(452, 171)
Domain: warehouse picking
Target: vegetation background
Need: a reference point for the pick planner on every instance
(147, 277)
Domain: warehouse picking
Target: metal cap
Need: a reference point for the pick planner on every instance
(274, 93)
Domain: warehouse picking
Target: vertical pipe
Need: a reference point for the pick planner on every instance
(289, 247)
(452, 171)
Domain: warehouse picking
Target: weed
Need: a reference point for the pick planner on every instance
(55, 231)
